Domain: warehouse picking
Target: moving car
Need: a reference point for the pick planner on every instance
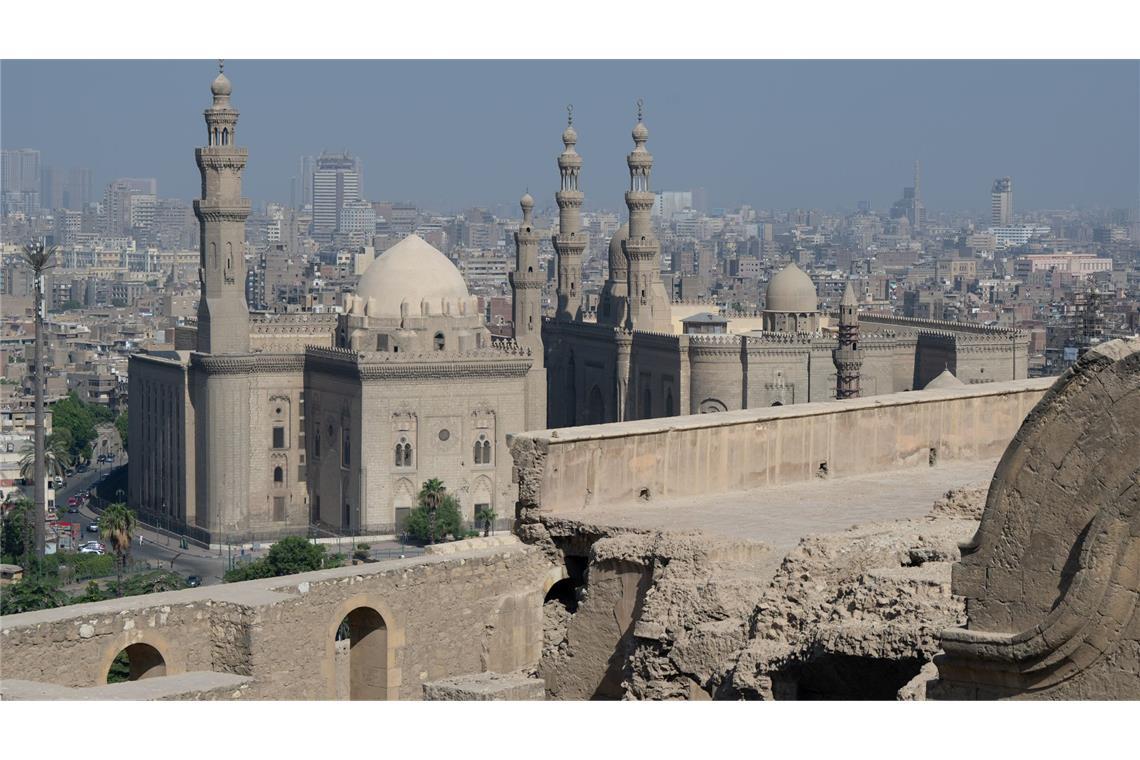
(92, 550)
(193, 581)
(93, 527)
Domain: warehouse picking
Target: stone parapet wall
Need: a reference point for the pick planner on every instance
(568, 469)
(443, 616)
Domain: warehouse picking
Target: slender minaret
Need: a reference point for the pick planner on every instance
(848, 357)
(526, 288)
(648, 302)
(570, 242)
(223, 317)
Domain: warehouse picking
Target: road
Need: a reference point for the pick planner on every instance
(161, 550)
(156, 548)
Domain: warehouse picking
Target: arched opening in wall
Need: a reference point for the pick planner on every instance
(669, 404)
(777, 403)
(135, 662)
(278, 475)
(646, 404)
(596, 407)
(439, 341)
(361, 656)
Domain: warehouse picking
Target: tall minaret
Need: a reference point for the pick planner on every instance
(570, 242)
(223, 317)
(648, 302)
(526, 288)
(848, 357)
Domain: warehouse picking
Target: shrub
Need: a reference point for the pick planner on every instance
(447, 520)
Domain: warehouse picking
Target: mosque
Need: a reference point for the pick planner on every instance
(262, 425)
(635, 358)
(259, 426)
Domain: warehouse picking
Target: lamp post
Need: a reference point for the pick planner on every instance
(39, 257)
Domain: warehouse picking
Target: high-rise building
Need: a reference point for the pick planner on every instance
(1001, 202)
(52, 184)
(305, 181)
(910, 205)
(336, 183)
(20, 180)
(79, 190)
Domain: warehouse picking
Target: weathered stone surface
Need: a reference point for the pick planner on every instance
(1052, 577)
(485, 687)
(433, 617)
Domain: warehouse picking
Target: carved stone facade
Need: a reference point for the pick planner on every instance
(281, 421)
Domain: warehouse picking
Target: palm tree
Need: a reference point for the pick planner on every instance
(487, 515)
(39, 257)
(116, 525)
(57, 456)
(431, 495)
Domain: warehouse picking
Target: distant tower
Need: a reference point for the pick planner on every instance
(1001, 202)
(918, 210)
(223, 317)
(526, 288)
(569, 243)
(848, 358)
(648, 302)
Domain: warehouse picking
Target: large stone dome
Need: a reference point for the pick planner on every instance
(791, 290)
(411, 270)
(944, 381)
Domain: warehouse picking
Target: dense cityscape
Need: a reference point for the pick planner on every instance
(235, 390)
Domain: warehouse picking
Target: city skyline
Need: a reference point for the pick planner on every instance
(779, 151)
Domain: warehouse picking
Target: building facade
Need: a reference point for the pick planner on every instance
(264, 425)
(633, 359)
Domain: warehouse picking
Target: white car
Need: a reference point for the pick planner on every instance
(92, 550)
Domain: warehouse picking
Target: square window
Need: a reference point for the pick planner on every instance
(278, 437)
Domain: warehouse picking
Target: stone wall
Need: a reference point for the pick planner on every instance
(1052, 577)
(432, 618)
(561, 470)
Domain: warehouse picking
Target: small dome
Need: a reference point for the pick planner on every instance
(569, 136)
(221, 85)
(617, 255)
(640, 133)
(527, 201)
(791, 290)
(411, 270)
(944, 380)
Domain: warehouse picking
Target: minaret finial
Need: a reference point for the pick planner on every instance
(570, 115)
(221, 65)
(640, 108)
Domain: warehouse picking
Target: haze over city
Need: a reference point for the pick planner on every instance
(451, 134)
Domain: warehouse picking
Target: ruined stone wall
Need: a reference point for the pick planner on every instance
(443, 616)
(563, 470)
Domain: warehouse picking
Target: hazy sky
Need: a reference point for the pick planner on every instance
(450, 134)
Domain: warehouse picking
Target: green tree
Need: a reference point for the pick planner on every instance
(38, 256)
(116, 527)
(57, 456)
(430, 497)
(487, 516)
(291, 555)
(428, 525)
(35, 592)
(15, 529)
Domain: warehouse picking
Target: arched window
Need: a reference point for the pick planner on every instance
(478, 452)
(399, 455)
(407, 455)
(403, 453)
(225, 136)
(439, 342)
(669, 404)
(486, 452)
(646, 405)
(278, 475)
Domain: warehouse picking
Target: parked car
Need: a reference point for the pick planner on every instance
(102, 458)
(93, 527)
(92, 550)
(73, 509)
(93, 545)
(111, 457)
(193, 581)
